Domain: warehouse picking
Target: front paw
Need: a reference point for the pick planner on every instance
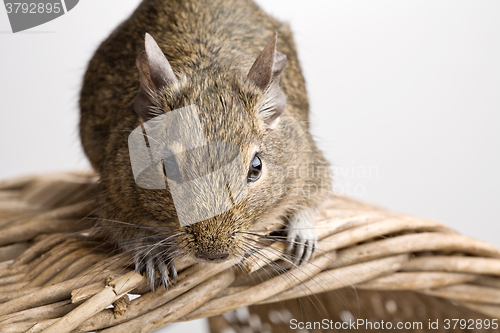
(149, 264)
(301, 238)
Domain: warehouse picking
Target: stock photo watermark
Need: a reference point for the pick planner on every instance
(347, 180)
(28, 14)
(363, 324)
(206, 179)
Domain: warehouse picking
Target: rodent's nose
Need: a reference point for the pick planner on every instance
(211, 256)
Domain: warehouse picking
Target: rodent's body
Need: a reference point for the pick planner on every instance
(194, 35)
(211, 46)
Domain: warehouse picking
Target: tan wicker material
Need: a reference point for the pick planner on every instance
(413, 309)
(55, 278)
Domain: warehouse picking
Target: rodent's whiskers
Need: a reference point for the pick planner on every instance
(276, 267)
(122, 223)
(352, 288)
(161, 242)
(261, 245)
(343, 299)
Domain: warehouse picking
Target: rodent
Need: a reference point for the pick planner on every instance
(239, 67)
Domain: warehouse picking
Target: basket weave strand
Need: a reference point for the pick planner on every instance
(54, 277)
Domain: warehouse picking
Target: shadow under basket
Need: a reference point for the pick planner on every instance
(373, 267)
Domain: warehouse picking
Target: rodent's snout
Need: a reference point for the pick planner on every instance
(211, 256)
(214, 240)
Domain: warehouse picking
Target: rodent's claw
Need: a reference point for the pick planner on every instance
(150, 265)
(302, 240)
(150, 273)
(172, 271)
(310, 249)
(162, 270)
(299, 251)
(301, 245)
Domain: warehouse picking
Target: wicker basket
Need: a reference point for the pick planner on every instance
(371, 263)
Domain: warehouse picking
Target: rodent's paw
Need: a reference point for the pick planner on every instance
(301, 245)
(150, 264)
(301, 238)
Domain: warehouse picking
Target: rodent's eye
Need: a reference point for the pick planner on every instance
(255, 169)
(171, 170)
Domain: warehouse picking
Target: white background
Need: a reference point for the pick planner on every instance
(407, 89)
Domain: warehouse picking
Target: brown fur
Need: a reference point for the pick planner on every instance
(210, 45)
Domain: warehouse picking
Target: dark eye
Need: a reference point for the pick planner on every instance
(171, 170)
(255, 169)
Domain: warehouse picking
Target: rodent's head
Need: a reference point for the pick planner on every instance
(240, 111)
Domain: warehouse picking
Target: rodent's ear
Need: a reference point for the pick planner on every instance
(155, 74)
(265, 74)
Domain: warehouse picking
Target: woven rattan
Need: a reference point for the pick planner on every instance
(55, 277)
